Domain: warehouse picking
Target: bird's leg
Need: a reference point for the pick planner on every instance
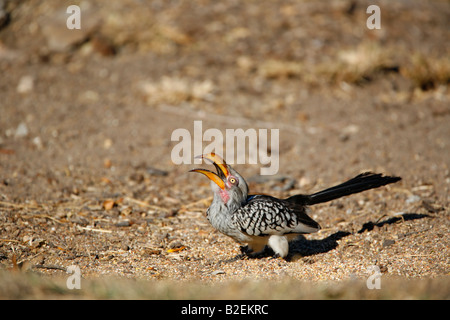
(246, 252)
(277, 256)
(266, 251)
(245, 249)
(279, 245)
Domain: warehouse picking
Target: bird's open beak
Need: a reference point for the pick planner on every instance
(211, 175)
(222, 169)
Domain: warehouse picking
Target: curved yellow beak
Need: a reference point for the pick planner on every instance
(219, 163)
(211, 175)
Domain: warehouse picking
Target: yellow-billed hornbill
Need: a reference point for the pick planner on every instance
(260, 220)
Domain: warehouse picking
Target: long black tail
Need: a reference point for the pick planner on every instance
(364, 181)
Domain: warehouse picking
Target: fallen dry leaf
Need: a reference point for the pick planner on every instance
(7, 151)
(108, 204)
(176, 249)
(105, 180)
(107, 163)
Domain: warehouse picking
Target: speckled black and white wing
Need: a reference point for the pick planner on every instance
(265, 215)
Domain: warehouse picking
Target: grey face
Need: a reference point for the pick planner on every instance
(227, 183)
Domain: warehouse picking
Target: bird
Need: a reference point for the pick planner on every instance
(259, 221)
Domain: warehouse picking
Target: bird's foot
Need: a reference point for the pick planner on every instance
(258, 254)
(247, 253)
(245, 250)
(277, 256)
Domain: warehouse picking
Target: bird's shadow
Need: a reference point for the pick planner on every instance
(304, 247)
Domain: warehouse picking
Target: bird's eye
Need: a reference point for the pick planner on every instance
(232, 180)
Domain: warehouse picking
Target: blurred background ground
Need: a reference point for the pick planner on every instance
(86, 118)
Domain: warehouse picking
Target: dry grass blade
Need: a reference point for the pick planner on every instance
(50, 266)
(19, 205)
(146, 204)
(10, 240)
(205, 201)
(94, 229)
(43, 216)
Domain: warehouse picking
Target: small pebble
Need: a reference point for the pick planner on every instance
(214, 273)
(412, 199)
(26, 84)
(21, 131)
(388, 243)
(124, 223)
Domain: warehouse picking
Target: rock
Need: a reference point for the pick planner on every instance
(412, 199)
(37, 243)
(157, 172)
(26, 84)
(21, 131)
(214, 273)
(388, 243)
(61, 39)
(37, 141)
(304, 182)
(124, 223)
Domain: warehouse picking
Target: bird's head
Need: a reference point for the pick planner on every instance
(227, 182)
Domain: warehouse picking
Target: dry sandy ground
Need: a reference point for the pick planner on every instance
(86, 117)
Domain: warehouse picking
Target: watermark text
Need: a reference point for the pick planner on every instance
(249, 146)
